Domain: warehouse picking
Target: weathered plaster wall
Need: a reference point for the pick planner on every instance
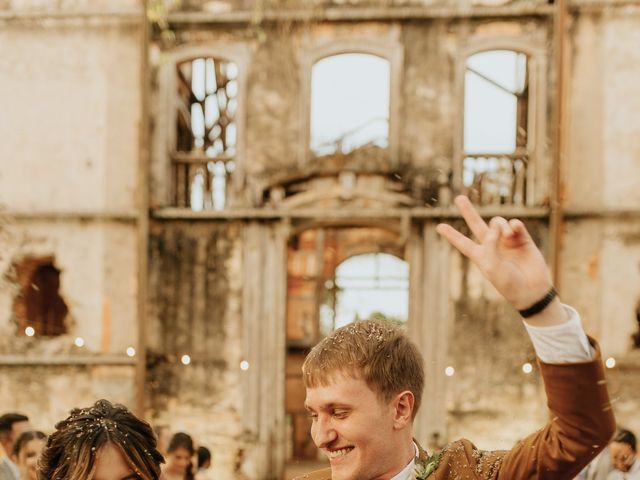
(68, 186)
(621, 101)
(98, 273)
(488, 347)
(195, 309)
(74, 116)
(601, 256)
(47, 393)
(604, 140)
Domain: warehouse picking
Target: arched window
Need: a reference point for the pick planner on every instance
(206, 131)
(496, 140)
(349, 104)
(372, 285)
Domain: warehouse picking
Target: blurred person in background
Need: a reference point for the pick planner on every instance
(101, 442)
(204, 463)
(180, 459)
(615, 461)
(26, 452)
(11, 426)
(624, 457)
(163, 434)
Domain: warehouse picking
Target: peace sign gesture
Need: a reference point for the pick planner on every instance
(508, 258)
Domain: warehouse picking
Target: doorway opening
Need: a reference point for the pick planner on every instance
(335, 275)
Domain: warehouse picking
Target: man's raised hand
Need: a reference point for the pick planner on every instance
(506, 255)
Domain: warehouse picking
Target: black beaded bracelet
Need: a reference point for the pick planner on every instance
(540, 305)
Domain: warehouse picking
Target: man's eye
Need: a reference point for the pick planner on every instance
(340, 413)
(312, 415)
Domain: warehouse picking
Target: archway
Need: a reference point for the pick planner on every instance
(334, 276)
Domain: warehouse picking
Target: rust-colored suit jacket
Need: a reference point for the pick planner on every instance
(581, 426)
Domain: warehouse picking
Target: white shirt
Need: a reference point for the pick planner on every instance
(632, 474)
(407, 472)
(565, 343)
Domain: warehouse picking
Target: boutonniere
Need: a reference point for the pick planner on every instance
(426, 467)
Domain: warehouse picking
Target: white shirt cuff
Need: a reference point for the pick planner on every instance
(564, 343)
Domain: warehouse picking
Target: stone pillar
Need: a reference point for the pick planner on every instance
(264, 301)
(430, 316)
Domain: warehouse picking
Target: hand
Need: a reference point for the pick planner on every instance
(506, 255)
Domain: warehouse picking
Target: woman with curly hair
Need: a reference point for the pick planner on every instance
(101, 442)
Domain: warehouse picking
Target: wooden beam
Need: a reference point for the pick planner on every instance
(270, 213)
(77, 215)
(65, 360)
(359, 14)
(560, 27)
(143, 214)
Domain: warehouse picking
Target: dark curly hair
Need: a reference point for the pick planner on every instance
(71, 450)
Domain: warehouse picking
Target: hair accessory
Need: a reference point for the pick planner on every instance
(540, 305)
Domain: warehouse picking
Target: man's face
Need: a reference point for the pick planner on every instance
(16, 429)
(622, 455)
(354, 428)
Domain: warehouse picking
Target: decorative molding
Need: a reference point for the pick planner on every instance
(341, 14)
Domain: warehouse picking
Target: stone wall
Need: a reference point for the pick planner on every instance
(68, 192)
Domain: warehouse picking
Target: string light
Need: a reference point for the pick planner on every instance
(244, 365)
(527, 368)
(29, 332)
(79, 341)
(449, 371)
(186, 359)
(610, 362)
(131, 352)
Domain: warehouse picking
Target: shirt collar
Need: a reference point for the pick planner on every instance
(406, 472)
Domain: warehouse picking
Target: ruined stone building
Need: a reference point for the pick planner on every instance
(186, 185)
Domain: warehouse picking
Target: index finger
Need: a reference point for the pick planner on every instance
(457, 239)
(475, 222)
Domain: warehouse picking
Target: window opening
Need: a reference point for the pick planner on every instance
(350, 104)
(206, 140)
(373, 285)
(39, 308)
(496, 130)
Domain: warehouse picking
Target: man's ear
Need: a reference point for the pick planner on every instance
(403, 404)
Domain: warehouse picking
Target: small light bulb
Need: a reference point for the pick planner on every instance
(244, 365)
(131, 352)
(449, 371)
(79, 341)
(527, 368)
(610, 362)
(186, 359)
(29, 332)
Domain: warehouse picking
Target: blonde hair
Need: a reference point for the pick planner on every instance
(376, 351)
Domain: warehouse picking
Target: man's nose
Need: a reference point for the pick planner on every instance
(323, 432)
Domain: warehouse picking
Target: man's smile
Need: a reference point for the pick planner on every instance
(336, 454)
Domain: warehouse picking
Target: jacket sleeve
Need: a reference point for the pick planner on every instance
(581, 425)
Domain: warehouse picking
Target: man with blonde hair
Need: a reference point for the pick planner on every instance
(364, 382)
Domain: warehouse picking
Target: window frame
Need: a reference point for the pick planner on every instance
(390, 50)
(164, 137)
(539, 167)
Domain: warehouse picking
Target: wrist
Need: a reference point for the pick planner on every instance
(538, 306)
(552, 314)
